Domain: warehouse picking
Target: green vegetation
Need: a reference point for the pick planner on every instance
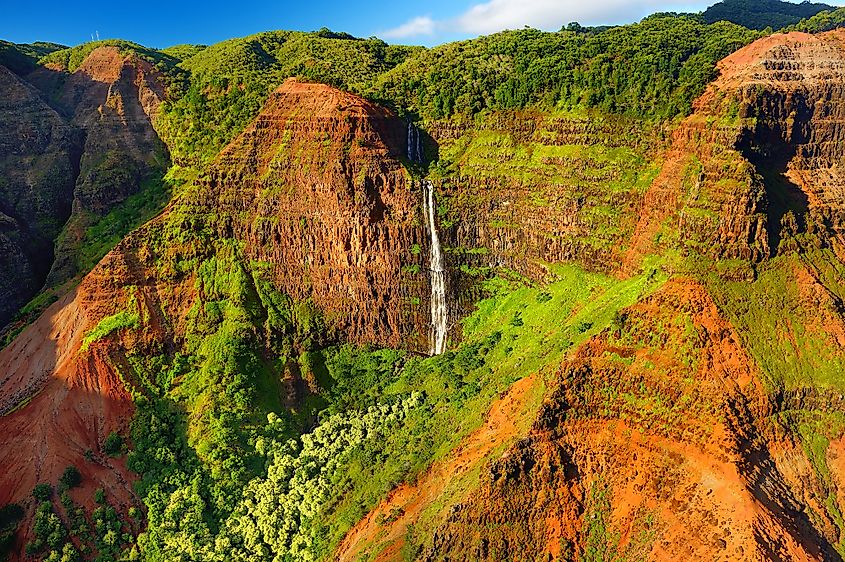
(113, 444)
(23, 58)
(183, 52)
(787, 340)
(816, 429)
(601, 165)
(823, 21)
(760, 14)
(602, 545)
(29, 313)
(651, 69)
(230, 81)
(70, 478)
(70, 58)
(10, 517)
(119, 321)
(105, 232)
(50, 535)
(69, 534)
(226, 470)
(257, 436)
(42, 491)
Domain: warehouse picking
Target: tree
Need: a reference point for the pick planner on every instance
(113, 445)
(71, 478)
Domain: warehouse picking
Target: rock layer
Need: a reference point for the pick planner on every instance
(758, 160)
(315, 188)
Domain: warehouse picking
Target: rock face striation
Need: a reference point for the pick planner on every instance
(315, 188)
(113, 99)
(676, 434)
(654, 445)
(758, 162)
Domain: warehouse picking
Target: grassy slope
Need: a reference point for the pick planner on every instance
(787, 339)
(518, 331)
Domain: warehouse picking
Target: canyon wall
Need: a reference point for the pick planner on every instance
(683, 432)
(672, 433)
(113, 99)
(39, 160)
(75, 146)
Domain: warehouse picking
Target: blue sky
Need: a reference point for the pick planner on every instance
(160, 23)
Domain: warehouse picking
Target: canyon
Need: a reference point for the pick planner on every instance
(627, 333)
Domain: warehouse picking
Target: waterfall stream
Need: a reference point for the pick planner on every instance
(436, 266)
(438, 277)
(415, 153)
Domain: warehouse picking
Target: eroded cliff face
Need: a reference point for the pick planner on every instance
(525, 189)
(75, 146)
(757, 163)
(657, 444)
(672, 434)
(113, 99)
(39, 159)
(315, 188)
(312, 196)
(704, 423)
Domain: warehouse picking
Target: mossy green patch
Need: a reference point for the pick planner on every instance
(122, 320)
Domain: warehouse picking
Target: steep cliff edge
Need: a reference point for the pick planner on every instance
(700, 418)
(705, 423)
(77, 146)
(315, 188)
(310, 209)
(658, 443)
(113, 97)
(757, 162)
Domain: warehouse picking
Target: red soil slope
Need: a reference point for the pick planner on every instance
(58, 404)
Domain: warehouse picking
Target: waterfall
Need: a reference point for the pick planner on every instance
(436, 267)
(415, 153)
(438, 276)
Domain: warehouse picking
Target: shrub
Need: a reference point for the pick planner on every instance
(42, 492)
(71, 478)
(10, 514)
(583, 326)
(119, 321)
(113, 445)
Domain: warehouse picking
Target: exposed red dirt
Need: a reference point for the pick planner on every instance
(665, 455)
(762, 140)
(58, 404)
(664, 415)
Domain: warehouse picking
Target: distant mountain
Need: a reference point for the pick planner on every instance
(760, 14)
(22, 57)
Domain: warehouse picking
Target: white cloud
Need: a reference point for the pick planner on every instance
(416, 27)
(496, 15)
